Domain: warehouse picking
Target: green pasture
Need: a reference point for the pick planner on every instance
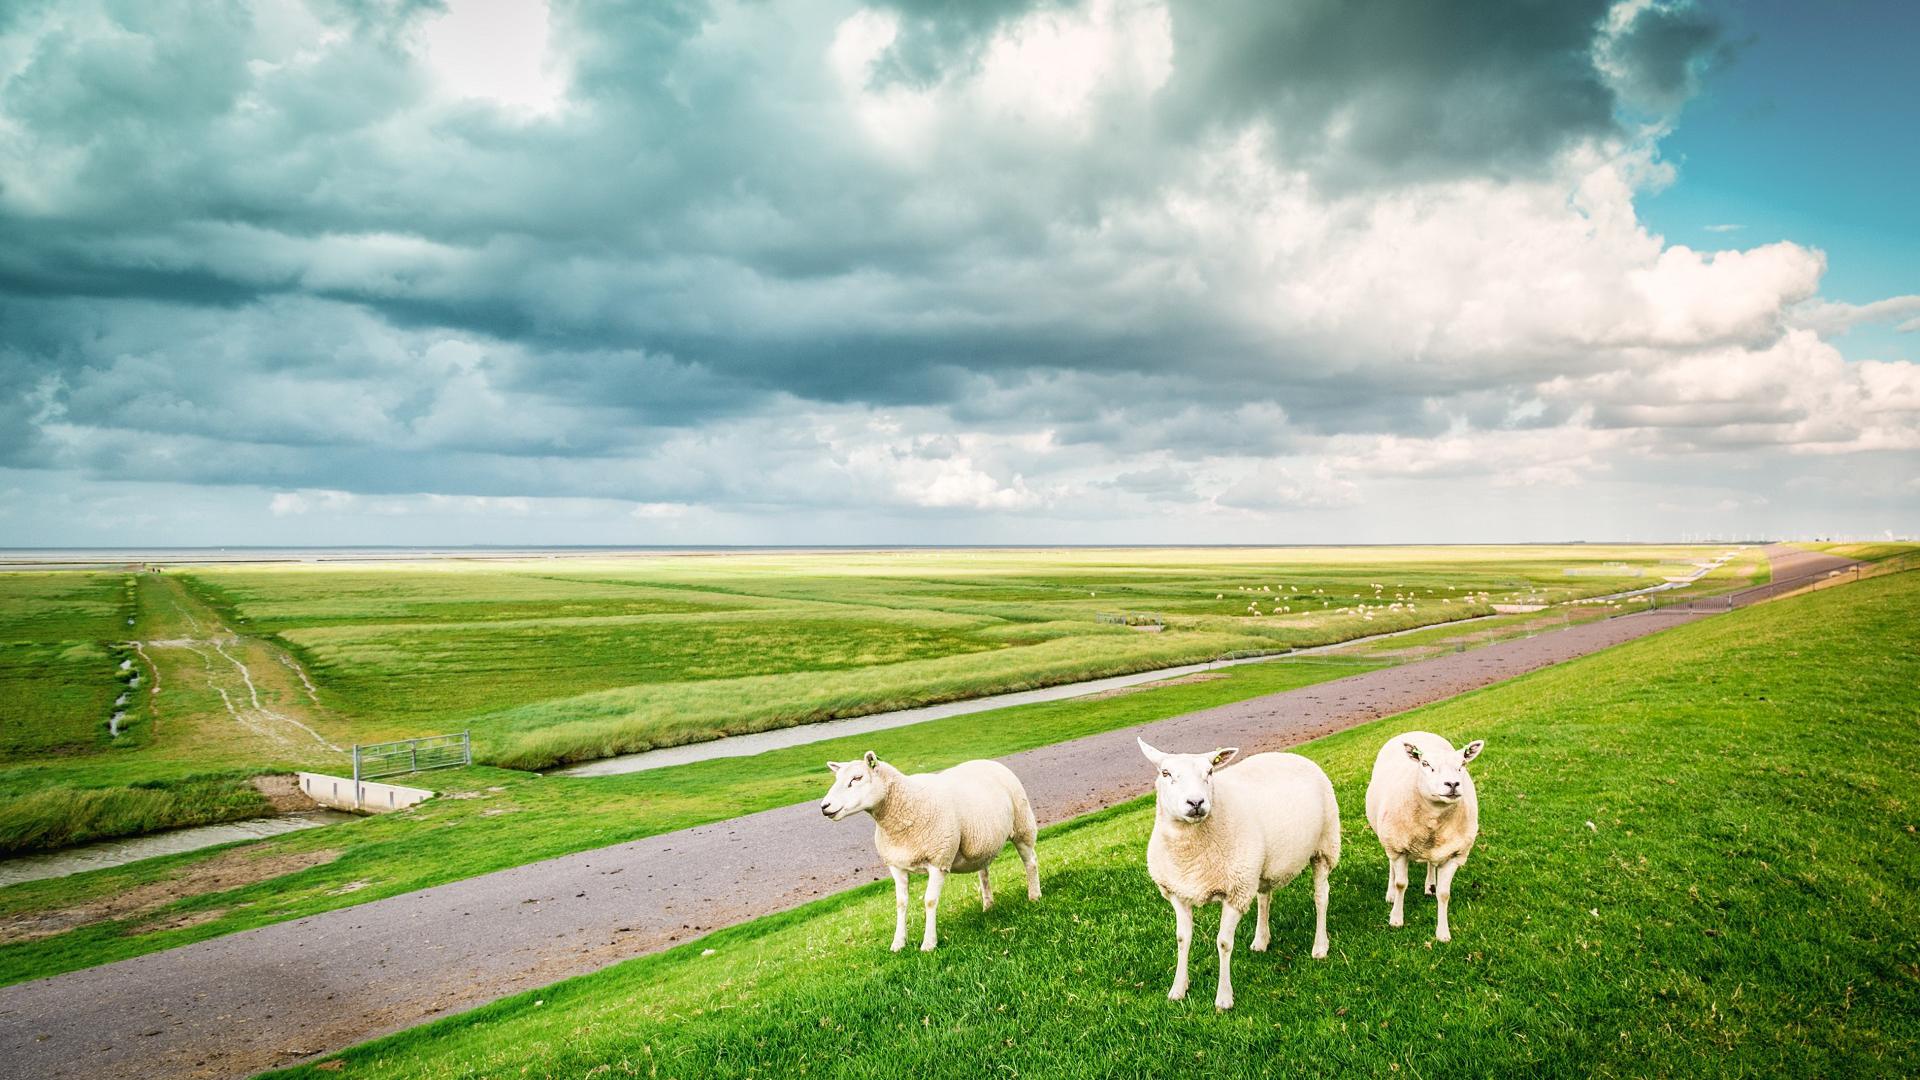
(1698, 857)
(488, 819)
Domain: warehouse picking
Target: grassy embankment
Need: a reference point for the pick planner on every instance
(1698, 857)
(263, 669)
(1867, 552)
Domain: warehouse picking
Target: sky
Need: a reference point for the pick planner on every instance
(326, 272)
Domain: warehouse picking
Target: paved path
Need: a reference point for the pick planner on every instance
(278, 994)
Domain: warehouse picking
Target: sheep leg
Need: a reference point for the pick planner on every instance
(986, 892)
(936, 878)
(1444, 893)
(1321, 873)
(1261, 934)
(1183, 935)
(1429, 879)
(1229, 922)
(1032, 862)
(899, 908)
(1397, 890)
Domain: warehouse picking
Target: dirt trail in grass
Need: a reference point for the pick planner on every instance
(234, 667)
(282, 993)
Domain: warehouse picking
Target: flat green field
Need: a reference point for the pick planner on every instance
(58, 669)
(1698, 856)
(560, 660)
(243, 670)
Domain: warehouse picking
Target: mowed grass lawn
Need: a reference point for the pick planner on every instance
(1698, 857)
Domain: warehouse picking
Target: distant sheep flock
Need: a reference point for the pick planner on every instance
(1223, 833)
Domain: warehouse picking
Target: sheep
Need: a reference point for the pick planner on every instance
(1422, 805)
(959, 820)
(1234, 836)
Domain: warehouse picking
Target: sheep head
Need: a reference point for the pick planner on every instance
(1184, 788)
(1440, 775)
(857, 786)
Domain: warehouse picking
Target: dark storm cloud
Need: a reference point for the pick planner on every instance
(1361, 92)
(1658, 57)
(1397, 89)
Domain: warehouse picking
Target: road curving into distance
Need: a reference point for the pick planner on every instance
(280, 994)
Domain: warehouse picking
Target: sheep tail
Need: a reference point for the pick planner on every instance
(1025, 826)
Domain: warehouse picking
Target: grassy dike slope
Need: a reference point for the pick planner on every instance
(1698, 856)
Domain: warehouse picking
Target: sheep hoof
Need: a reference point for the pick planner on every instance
(926, 946)
(1396, 919)
(1223, 1002)
(1259, 945)
(1178, 993)
(1319, 950)
(898, 945)
(1443, 935)
(1033, 893)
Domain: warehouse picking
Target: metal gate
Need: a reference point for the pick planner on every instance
(411, 755)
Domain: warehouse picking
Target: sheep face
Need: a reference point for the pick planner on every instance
(1184, 787)
(1442, 777)
(856, 787)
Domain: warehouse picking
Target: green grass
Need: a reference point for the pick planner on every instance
(58, 663)
(557, 660)
(1870, 552)
(489, 819)
(64, 606)
(54, 817)
(646, 717)
(447, 675)
(1698, 857)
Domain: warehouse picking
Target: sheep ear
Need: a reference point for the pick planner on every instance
(836, 766)
(1224, 755)
(871, 760)
(1412, 751)
(1472, 750)
(1152, 755)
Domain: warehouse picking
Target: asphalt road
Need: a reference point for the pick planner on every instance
(280, 994)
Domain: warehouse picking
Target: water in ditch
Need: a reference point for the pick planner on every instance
(106, 853)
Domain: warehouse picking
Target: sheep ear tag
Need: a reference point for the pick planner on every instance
(1223, 755)
(871, 759)
(1412, 751)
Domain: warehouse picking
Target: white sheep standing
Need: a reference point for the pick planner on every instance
(1234, 835)
(1422, 805)
(957, 820)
